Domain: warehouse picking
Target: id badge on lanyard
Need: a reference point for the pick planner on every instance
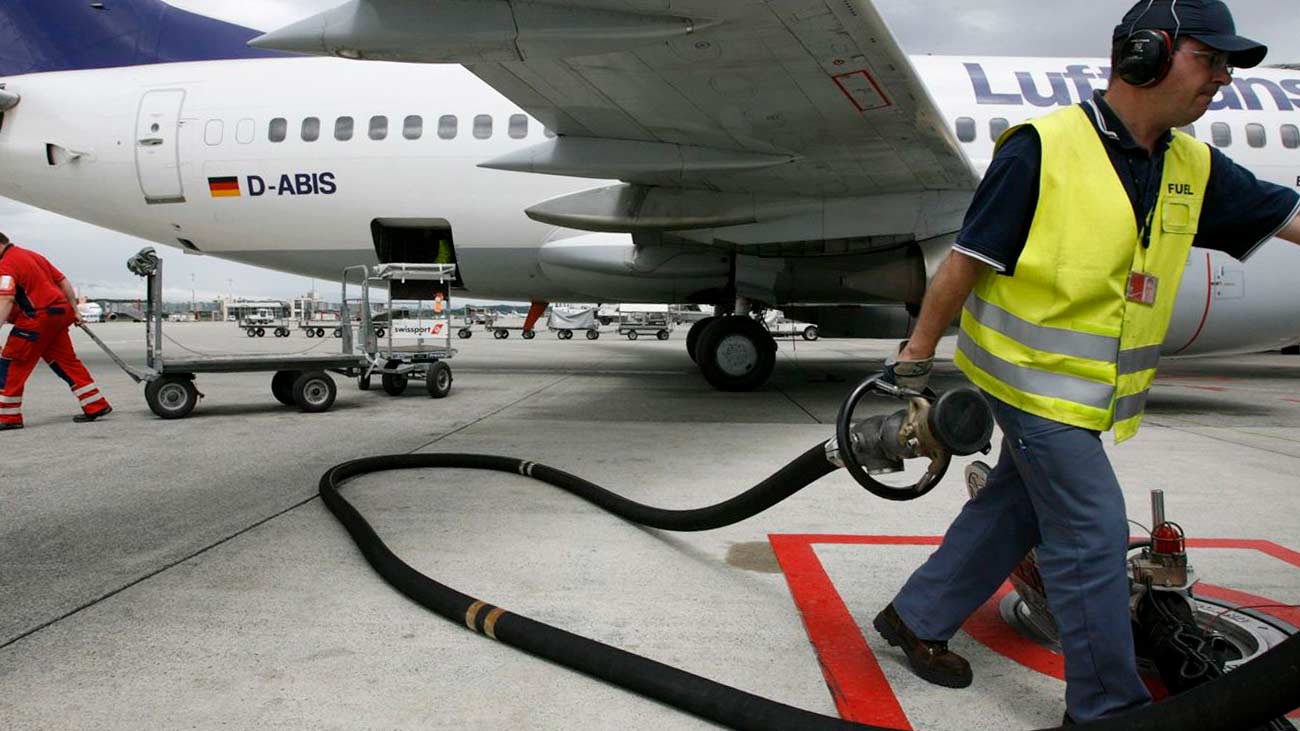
(1142, 288)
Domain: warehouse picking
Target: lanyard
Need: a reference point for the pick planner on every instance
(1148, 197)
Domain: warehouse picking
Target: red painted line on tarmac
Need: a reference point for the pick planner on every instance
(853, 675)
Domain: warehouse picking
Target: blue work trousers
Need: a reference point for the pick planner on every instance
(1053, 488)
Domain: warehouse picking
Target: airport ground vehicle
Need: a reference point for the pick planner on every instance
(637, 320)
(300, 379)
(415, 345)
(781, 327)
(258, 324)
(564, 321)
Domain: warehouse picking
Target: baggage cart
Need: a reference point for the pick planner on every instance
(564, 323)
(417, 340)
(650, 320)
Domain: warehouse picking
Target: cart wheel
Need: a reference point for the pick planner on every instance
(464, 333)
(662, 334)
(504, 333)
(379, 332)
(810, 333)
(438, 379)
(282, 386)
(250, 332)
(172, 397)
(568, 334)
(529, 334)
(338, 332)
(320, 332)
(363, 381)
(394, 384)
(592, 334)
(631, 335)
(314, 391)
(261, 332)
(498, 334)
(310, 332)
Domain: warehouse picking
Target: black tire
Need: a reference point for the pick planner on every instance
(662, 334)
(282, 386)
(464, 333)
(566, 334)
(1291, 350)
(380, 332)
(314, 392)
(310, 332)
(250, 332)
(320, 332)
(437, 379)
(631, 335)
(171, 397)
(394, 384)
(529, 334)
(261, 332)
(504, 334)
(736, 354)
(592, 334)
(363, 382)
(693, 335)
(810, 333)
(498, 334)
(338, 332)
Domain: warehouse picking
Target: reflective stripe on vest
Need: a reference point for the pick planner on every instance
(1058, 338)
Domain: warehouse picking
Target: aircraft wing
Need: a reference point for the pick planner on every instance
(806, 98)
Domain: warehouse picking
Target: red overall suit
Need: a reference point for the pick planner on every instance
(41, 315)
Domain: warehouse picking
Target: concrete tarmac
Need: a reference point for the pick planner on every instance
(184, 574)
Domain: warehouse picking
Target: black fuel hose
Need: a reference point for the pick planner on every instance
(1265, 688)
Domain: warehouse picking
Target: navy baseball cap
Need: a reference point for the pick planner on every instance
(1208, 21)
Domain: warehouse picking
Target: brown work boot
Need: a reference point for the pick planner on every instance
(931, 661)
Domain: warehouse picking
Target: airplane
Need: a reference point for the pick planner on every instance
(751, 155)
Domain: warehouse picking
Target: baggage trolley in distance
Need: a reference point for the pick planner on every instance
(637, 320)
(565, 323)
(417, 339)
(300, 380)
(256, 326)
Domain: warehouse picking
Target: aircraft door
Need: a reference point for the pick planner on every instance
(157, 149)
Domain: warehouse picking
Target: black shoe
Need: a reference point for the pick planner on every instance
(7, 427)
(931, 661)
(83, 418)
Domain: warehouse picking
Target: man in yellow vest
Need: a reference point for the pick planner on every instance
(1065, 274)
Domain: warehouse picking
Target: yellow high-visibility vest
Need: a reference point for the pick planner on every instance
(1068, 337)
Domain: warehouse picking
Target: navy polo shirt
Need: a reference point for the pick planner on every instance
(1240, 212)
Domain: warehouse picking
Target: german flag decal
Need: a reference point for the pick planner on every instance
(224, 187)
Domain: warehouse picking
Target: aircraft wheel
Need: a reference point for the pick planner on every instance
(529, 334)
(314, 391)
(810, 333)
(172, 397)
(282, 386)
(662, 334)
(1291, 350)
(592, 334)
(693, 335)
(438, 379)
(736, 354)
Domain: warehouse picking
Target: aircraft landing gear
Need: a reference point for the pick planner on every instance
(734, 353)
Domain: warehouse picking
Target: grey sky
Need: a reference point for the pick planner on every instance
(94, 258)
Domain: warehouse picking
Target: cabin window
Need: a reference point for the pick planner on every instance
(447, 127)
(343, 129)
(482, 126)
(1290, 136)
(378, 127)
(1255, 136)
(966, 129)
(1221, 134)
(518, 126)
(413, 127)
(214, 131)
(244, 131)
(277, 129)
(311, 129)
(997, 126)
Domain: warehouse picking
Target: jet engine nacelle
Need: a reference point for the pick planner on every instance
(609, 267)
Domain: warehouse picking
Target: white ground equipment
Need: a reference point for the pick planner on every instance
(563, 322)
(635, 320)
(417, 336)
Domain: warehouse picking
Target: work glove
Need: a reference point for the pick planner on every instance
(910, 374)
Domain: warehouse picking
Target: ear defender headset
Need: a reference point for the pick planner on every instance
(1146, 55)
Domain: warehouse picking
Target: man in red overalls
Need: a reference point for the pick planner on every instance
(40, 303)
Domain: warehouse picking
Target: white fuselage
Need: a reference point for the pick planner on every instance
(82, 143)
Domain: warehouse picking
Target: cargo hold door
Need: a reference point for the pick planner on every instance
(157, 152)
